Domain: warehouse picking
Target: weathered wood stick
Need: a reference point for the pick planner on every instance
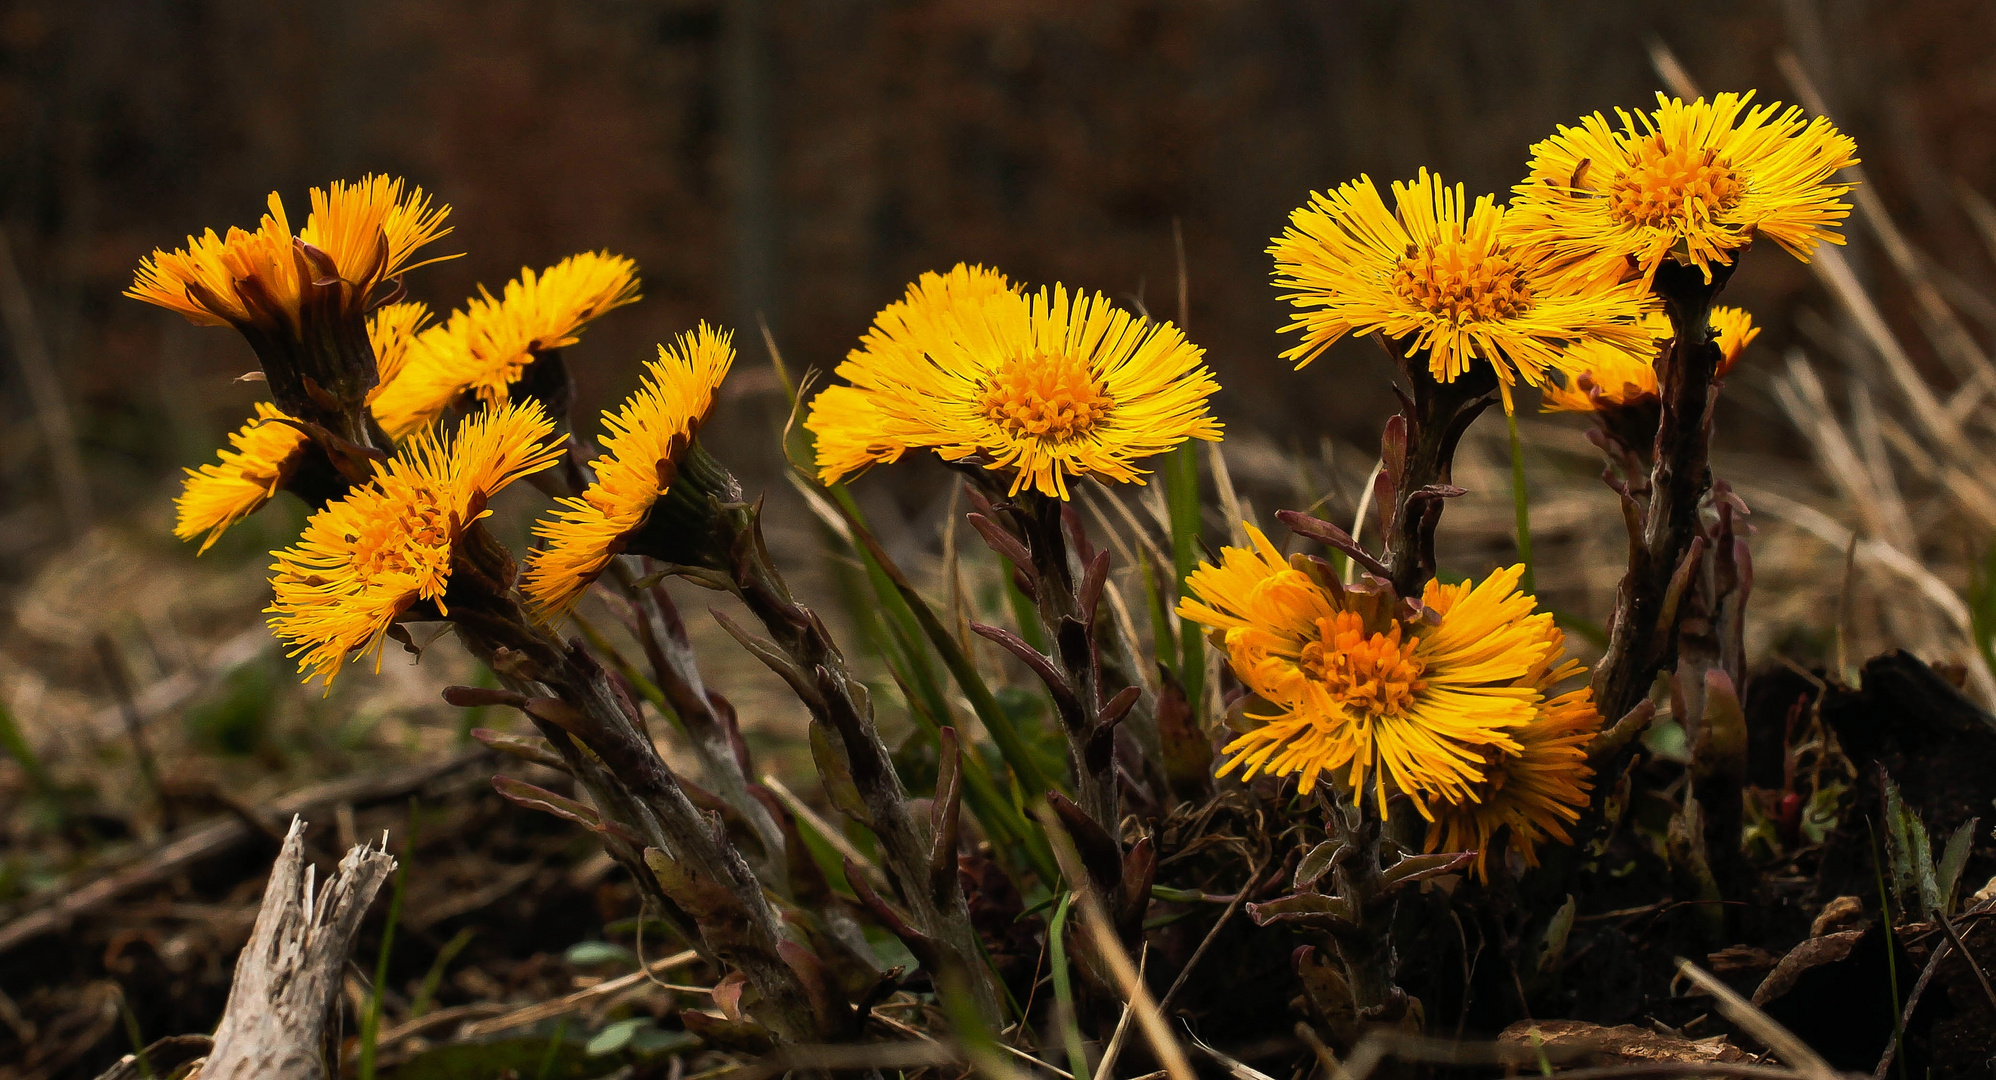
(288, 975)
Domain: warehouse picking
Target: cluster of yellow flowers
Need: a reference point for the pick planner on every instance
(370, 556)
(1451, 701)
(1559, 280)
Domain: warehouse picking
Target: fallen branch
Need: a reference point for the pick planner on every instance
(288, 976)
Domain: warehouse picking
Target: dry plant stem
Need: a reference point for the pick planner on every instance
(287, 976)
(1642, 635)
(701, 873)
(1367, 946)
(1069, 620)
(811, 661)
(709, 724)
(1417, 464)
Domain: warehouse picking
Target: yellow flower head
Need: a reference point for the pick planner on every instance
(1533, 794)
(643, 444)
(1596, 376)
(393, 330)
(1699, 181)
(262, 457)
(1443, 275)
(1351, 688)
(1052, 385)
(365, 559)
(356, 237)
(484, 348)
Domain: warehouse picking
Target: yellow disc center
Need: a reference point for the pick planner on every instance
(1461, 282)
(415, 541)
(1375, 674)
(1668, 184)
(1045, 396)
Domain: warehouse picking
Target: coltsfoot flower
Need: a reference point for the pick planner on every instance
(261, 458)
(644, 443)
(1051, 385)
(1350, 683)
(483, 349)
(366, 559)
(1445, 276)
(357, 235)
(1697, 182)
(1531, 796)
(1597, 377)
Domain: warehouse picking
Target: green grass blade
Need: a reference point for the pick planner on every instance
(370, 1025)
(1521, 502)
(1181, 497)
(1007, 827)
(898, 596)
(645, 687)
(1063, 987)
(426, 995)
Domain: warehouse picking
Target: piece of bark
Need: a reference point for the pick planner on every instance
(287, 976)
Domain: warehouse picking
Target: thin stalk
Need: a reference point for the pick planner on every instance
(370, 1025)
(1181, 495)
(1063, 987)
(1891, 950)
(1521, 503)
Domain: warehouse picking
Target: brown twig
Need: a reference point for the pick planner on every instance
(1955, 936)
(1758, 1024)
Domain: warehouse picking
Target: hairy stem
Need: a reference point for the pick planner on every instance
(1642, 634)
(573, 703)
(1071, 629)
(1418, 452)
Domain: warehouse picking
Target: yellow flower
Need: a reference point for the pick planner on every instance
(365, 559)
(1699, 181)
(356, 237)
(1534, 793)
(643, 445)
(393, 330)
(1445, 276)
(485, 348)
(1351, 689)
(217, 496)
(1596, 376)
(1053, 385)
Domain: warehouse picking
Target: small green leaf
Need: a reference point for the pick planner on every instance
(1953, 860)
(1317, 862)
(584, 954)
(1552, 947)
(615, 1037)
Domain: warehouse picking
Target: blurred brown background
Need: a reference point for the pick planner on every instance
(802, 159)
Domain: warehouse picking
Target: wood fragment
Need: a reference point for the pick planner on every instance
(274, 1026)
